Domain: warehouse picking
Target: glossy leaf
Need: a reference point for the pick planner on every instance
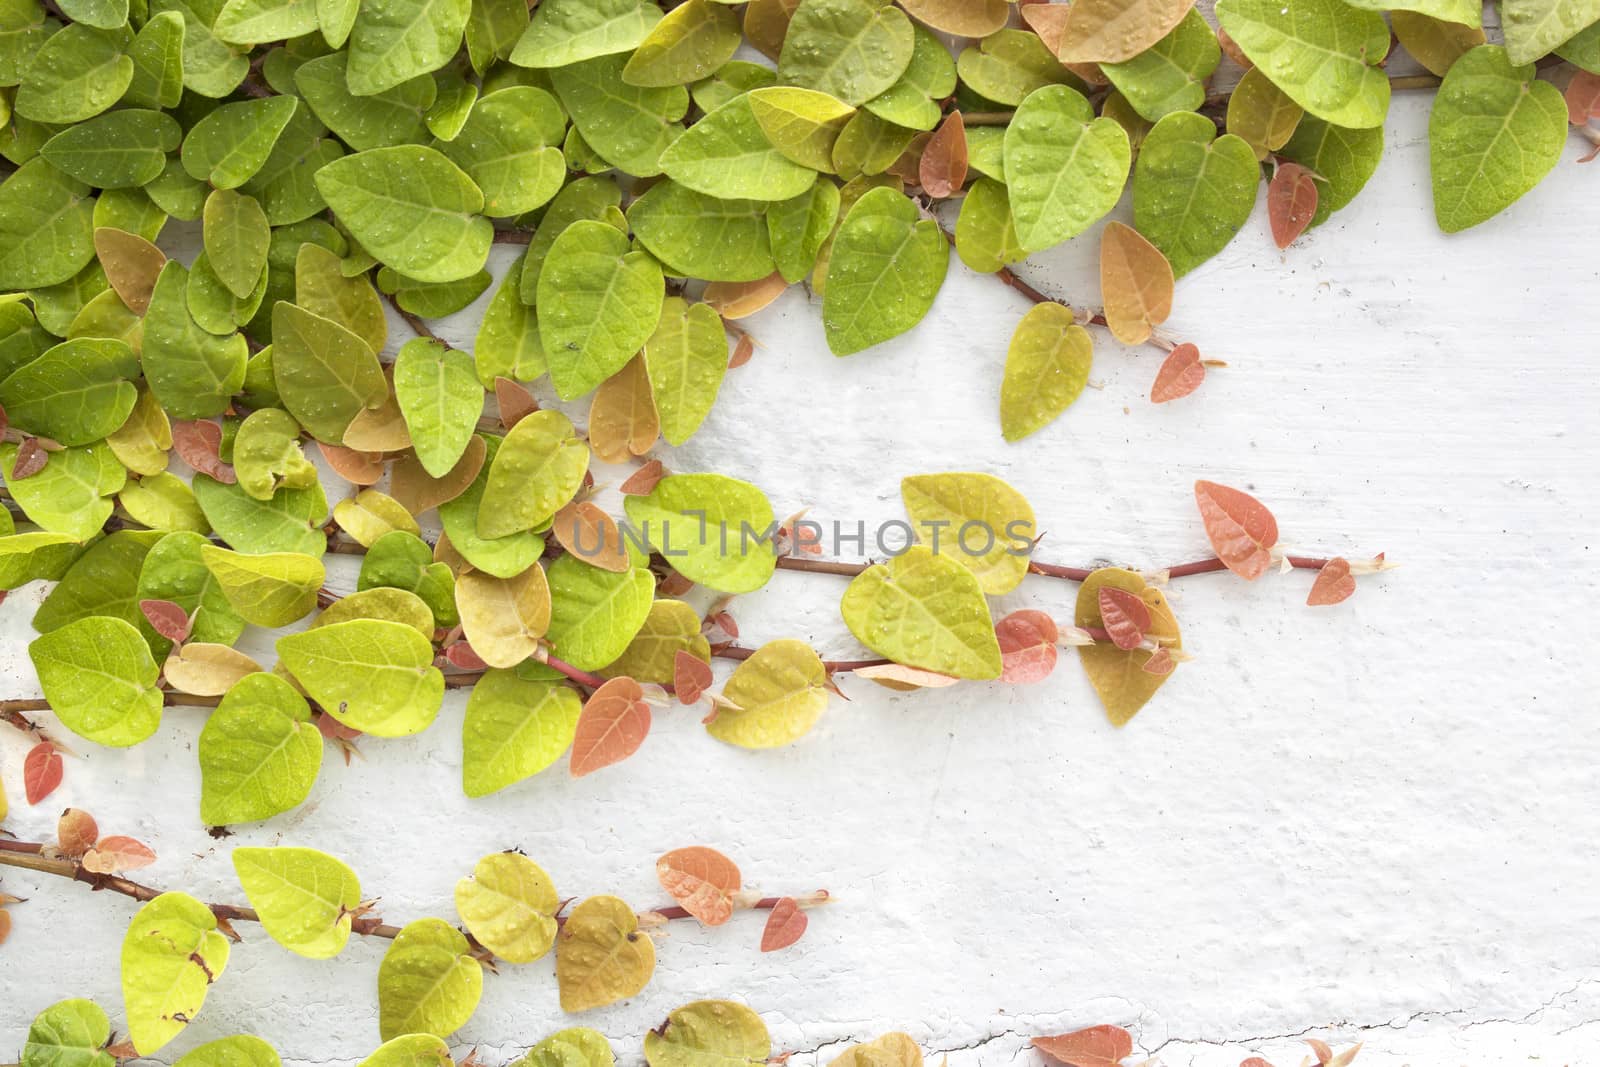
(1242, 531)
(887, 266)
(100, 680)
(1192, 190)
(711, 529)
(1047, 367)
(924, 610)
(1326, 54)
(600, 304)
(601, 955)
(977, 520)
(720, 1032)
(259, 753)
(374, 675)
(268, 589)
(509, 905)
(305, 897)
(851, 49)
(171, 955)
(1064, 167)
(428, 982)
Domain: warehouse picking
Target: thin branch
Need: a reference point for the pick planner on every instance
(1048, 570)
(418, 326)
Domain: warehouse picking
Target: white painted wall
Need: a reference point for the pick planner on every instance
(1372, 822)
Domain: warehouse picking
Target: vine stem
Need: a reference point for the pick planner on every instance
(1049, 570)
(30, 856)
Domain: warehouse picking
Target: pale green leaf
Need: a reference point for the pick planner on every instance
(564, 32)
(711, 529)
(692, 41)
(686, 359)
(428, 982)
(69, 1033)
(538, 468)
(171, 955)
(71, 495)
(598, 303)
(290, 522)
(926, 611)
(975, 519)
(394, 41)
(229, 145)
(699, 236)
(325, 374)
(509, 906)
(439, 395)
(777, 696)
(269, 589)
(629, 126)
(851, 49)
(100, 680)
(193, 373)
(77, 392)
(76, 74)
(259, 752)
(518, 722)
(727, 155)
(1171, 74)
(595, 613)
(1047, 367)
(709, 1033)
(46, 226)
(122, 148)
(1327, 55)
(1065, 169)
(887, 266)
(304, 897)
(372, 675)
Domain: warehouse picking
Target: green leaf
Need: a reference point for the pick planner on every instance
(157, 53)
(778, 695)
(76, 74)
(503, 557)
(692, 41)
(174, 570)
(518, 722)
(411, 208)
(304, 897)
(869, 145)
(505, 147)
(986, 239)
(249, 22)
(1496, 131)
(372, 675)
(290, 522)
(28, 557)
(977, 520)
(193, 373)
(628, 125)
(71, 495)
(104, 581)
(926, 611)
(270, 589)
(1009, 65)
(802, 124)
(1118, 676)
(1193, 190)
(210, 68)
(699, 236)
(267, 456)
(564, 32)
(727, 155)
(1171, 74)
(595, 613)
(102, 14)
(851, 49)
(493, 29)
(241, 1050)
(69, 1033)
(1065, 169)
(1583, 50)
(509, 905)
(799, 227)
(1534, 28)
(709, 1033)
(259, 752)
(76, 392)
(325, 374)
(671, 627)
(46, 226)
(394, 41)
(411, 1050)
(711, 529)
(576, 1046)
(599, 304)
(163, 502)
(428, 983)
(402, 560)
(321, 288)
(383, 120)
(1047, 367)
(170, 956)
(538, 468)
(1327, 55)
(236, 235)
(119, 149)
(887, 266)
(931, 77)
(439, 395)
(100, 680)
(229, 145)
(508, 345)
(685, 359)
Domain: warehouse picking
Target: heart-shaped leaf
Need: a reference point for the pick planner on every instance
(509, 905)
(601, 955)
(924, 610)
(305, 898)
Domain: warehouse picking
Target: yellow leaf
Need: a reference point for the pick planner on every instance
(1111, 31)
(1135, 283)
(601, 955)
(504, 618)
(1119, 677)
(622, 418)
(207, 670)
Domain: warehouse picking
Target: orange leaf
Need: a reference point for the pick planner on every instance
(1027, 646)
(642, 481)
(1255, 1061)
(1323, 1050)
(361, 468)
(587, 532)
(1135, 283)
(1160, 663)
(1583, 98)
(737, 300)
(611, 727)
(41, 771)
(5, 925)
(514, 402)
(168, 619)
(943, 170)
(1291, 202)
(1125, 616)
(742, 351)
(1334, 583)
(76, 832)
(418, 491)
(199, 444)
(1231, 49)
(461, 655)
(785, 925)
(1241, 529)
(701, 879)
(30, 460)
(1180, 375)
(1097, 1046)
(622, 417)
(117, 853)
(691, 677)
(903, 679)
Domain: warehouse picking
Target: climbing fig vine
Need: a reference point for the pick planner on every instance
(213, 213)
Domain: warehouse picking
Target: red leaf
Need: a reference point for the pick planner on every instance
(168, 619)
(611, 727)
(1179, 376)
(1323, 1050)
(702, 880)
(31, 458)
(785, 925)
(41, 771)
(199, 444)
(643, 480)
(1097, 1046)
(1125, 616)
(1027, 646)
(691, 677)
(5, 420)
(334, 730)
(1291, 202)
(461, 655)
(117, 853)
(721, 620)
(742, 351)
(1583, 98)
(1241, 529)
(515, 402)
(1161, 662)
(76, 832)
(1255, 1061)
(1334, 583)
(943, 169)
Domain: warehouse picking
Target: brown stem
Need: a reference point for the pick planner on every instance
(1048, 570)
(512, 237)
(418, 326)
